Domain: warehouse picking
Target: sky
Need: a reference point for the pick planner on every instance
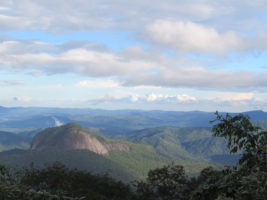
(181, 55)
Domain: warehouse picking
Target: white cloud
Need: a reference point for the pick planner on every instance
(144, 69)
(179, 98)
(224, 101)
(80, 15)
(185, 97)
(187, 36)
(234, 96)
(148, 98)
(195, 22)
(134, 98)
(156, 97)
(23, 99)
(99, 83)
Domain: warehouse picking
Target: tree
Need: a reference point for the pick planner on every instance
(247, 180)
(168, 182)
(56, 182)
(59, 179)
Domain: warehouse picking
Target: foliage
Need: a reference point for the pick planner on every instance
(168, 182)
(60, 183)
(246, 180)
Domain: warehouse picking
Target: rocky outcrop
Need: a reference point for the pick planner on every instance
(71, 138)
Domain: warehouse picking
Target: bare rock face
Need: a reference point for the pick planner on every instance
(72, 138)
(82, 140)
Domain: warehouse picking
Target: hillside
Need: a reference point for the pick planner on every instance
(80, 159)
(182, 143)
(75, 146)
(10, 141)
(73, 136)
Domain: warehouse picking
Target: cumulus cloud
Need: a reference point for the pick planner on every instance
(185, 97)
(68, 15)
(202, 26)
(99, 83)
(78, 60)
(148, 98)
(169, 98)
(228, 101)
(199, 77)
(239, 101)
(187, 36)
(143, 69)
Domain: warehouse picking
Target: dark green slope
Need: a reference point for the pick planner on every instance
(166, 142)
(206, 147)
(143, 158)
(169, 141)
(184, 143)
(80, 159)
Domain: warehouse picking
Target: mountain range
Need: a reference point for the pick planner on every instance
(124, 143)
(77, 147)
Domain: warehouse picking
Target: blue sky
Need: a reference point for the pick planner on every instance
(168, 55)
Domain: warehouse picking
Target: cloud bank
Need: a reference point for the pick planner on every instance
(129, 68)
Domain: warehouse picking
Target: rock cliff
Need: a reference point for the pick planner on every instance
(73, 136)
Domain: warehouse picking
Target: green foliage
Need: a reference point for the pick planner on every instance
(168, 182)
(75, 183)
(57, 182)
(171, 183)
(247, 180)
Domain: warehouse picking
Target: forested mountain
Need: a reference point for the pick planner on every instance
(75, 146)
(245, 180)
(183, 143)
(144, 139)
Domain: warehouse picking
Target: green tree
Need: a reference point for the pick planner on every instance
(57, 182)
(168, 182)
(247, 180)
(58, 179)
